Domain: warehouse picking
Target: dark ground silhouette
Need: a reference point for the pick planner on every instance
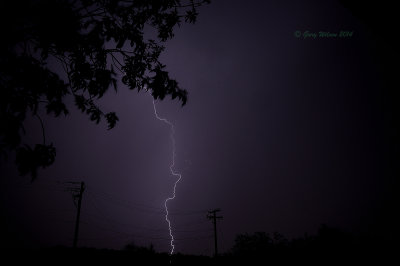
(330, 246)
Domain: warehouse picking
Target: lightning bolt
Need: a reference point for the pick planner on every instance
(171, 168)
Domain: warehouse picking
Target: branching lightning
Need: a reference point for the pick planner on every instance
(175, 174)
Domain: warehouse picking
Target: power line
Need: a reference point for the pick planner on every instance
(121, 234)
(150, 238)
(155, 237)
(130, 204)
(111, 220)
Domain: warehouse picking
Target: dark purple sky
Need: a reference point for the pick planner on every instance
(281, 133)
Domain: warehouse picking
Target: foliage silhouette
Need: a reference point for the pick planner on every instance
(94, 42)
(329, 246)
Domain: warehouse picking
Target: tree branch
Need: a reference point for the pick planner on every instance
(41, 123)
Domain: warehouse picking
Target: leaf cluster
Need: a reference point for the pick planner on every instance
(95, 43)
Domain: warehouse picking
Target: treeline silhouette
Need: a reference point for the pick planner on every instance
(330, 246)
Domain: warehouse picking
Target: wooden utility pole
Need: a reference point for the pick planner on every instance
(79, 196)
(214, 218)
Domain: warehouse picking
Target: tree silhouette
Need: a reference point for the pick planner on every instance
(94, 42)
(276, 249)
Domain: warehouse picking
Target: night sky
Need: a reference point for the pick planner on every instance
(282, 133)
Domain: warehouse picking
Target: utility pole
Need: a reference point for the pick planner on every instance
(213, 216)
(79, 196)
